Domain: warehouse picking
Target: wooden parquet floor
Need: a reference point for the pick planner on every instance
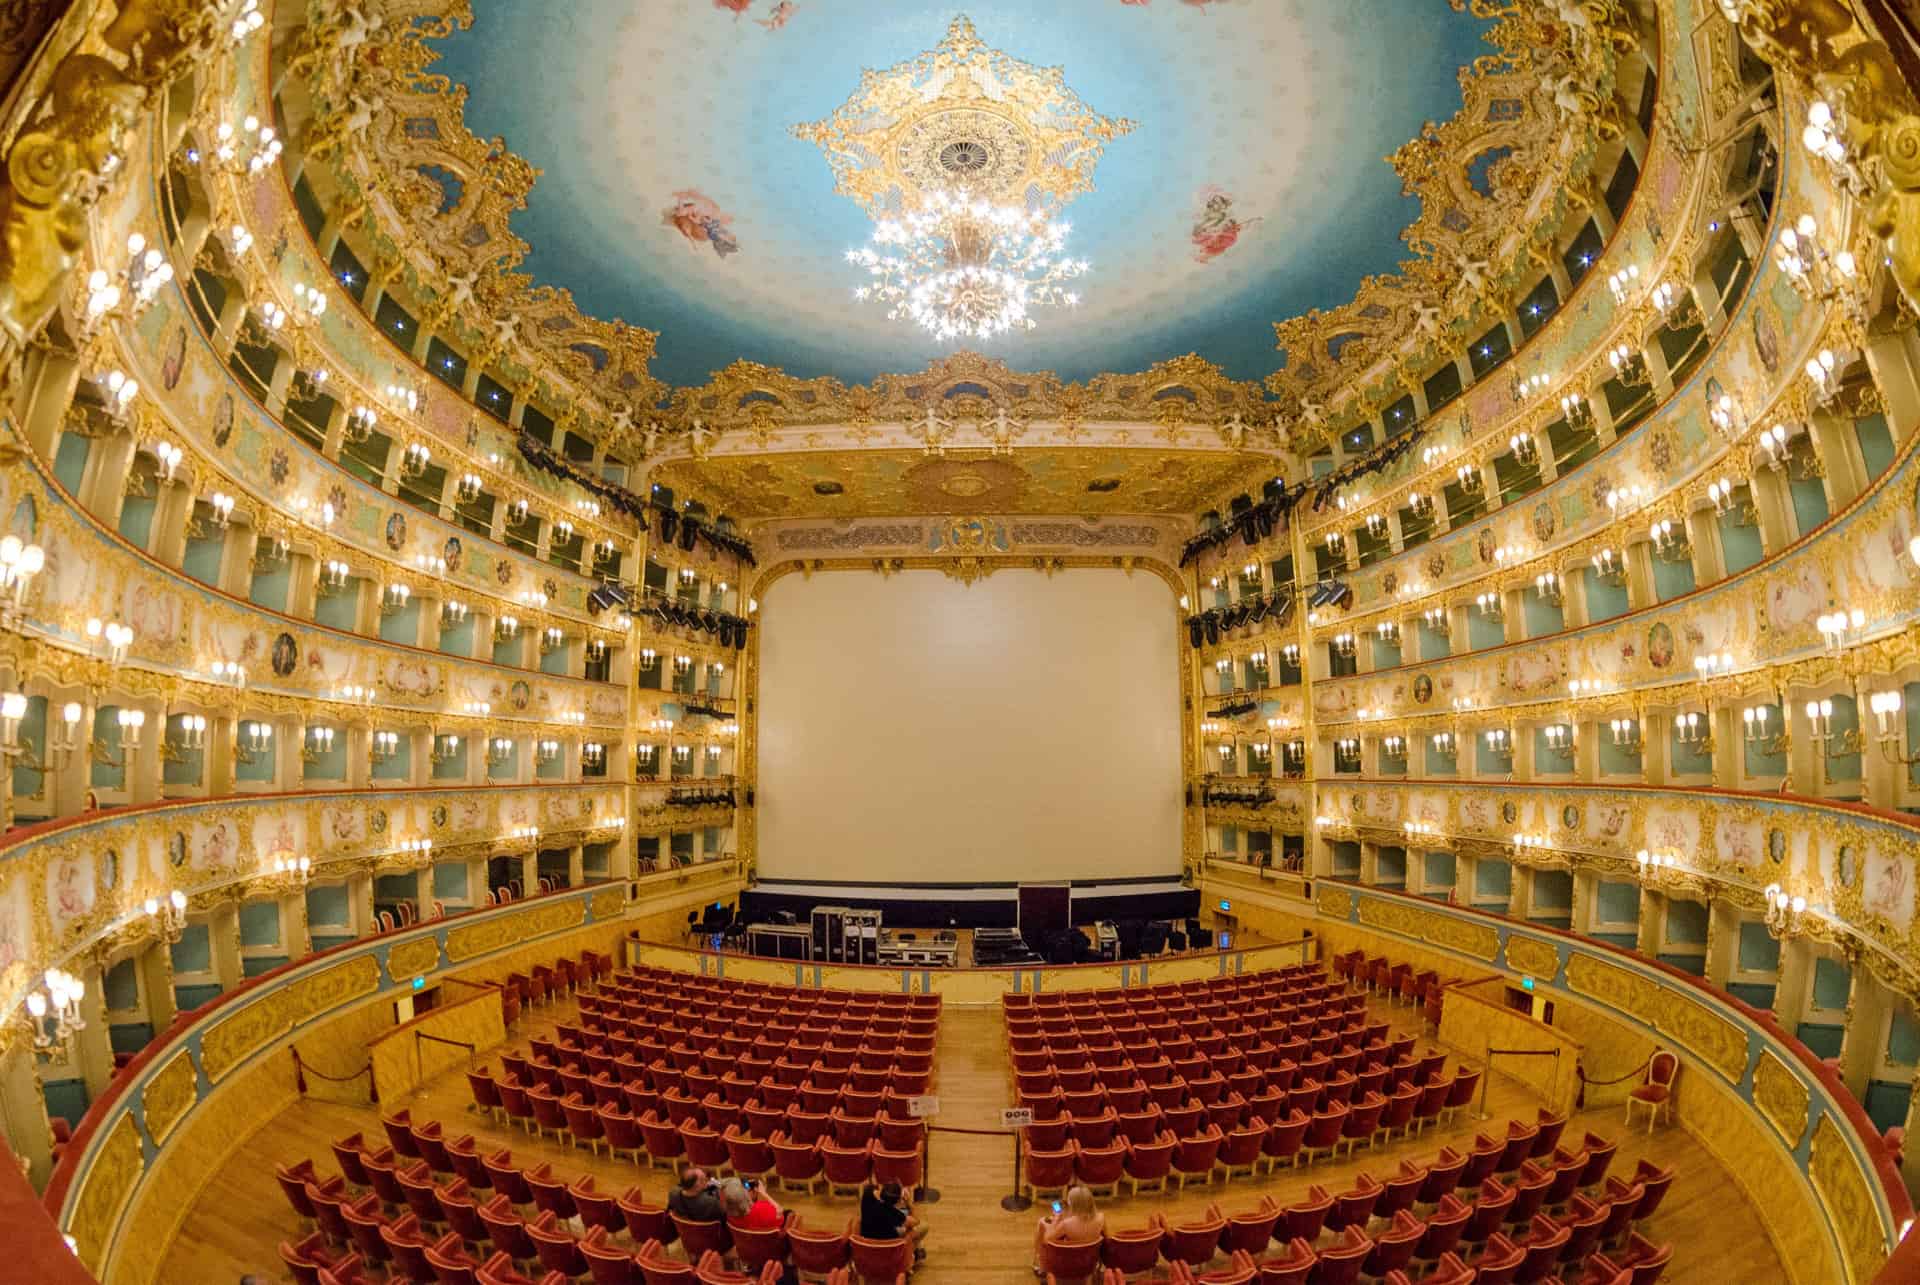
(237, 1219)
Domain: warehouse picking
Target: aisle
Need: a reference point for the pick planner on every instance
(239, 1217)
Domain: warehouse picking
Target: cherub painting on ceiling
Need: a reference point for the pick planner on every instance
(694, 216)
(1215, 227)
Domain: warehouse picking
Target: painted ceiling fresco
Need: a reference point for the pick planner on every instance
(676, 194)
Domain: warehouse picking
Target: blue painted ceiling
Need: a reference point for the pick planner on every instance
(1287, 107)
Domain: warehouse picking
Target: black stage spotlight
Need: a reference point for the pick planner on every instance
(1212, 619)
(669, 523)
(1261, 608)
(1194, 632)
(739, 635)
(689, 532)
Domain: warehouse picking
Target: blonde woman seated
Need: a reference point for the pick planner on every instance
(1077, 1223)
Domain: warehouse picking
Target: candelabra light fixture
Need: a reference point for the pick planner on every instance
(20, 564)
(446, 746)
(1388, 633)
(248, 148)
(1762, 736)
(1499, 740)
(1839, 628)
(552, 639)
(187, 735)
(1609, 566)
(317, 744)
(1547, 587)
(1441, 743)
(1559, 740)
(251, 740)
(1713, 664)
(1624, 283)
(1523, 448)
(415, 460)
(1579, 415)
(394, 599)
(1629, 367)
(1625, 499)
(1731, 502)
(499, 750)
(1832, 744)
(1489, 604)
(1886, 709)
(1394, 748)
(132, 724)
(1658, 866)
(1342, 644)
(1785, 911)
(1290, 654)
(383, 747)
(1419, 504)
(1437, 621)
(334, 575)
(1420, 829)
(168, 914)
(1696, 729)
(1346, 754)
(54, 1008)
(1467, 478)
(1625, 733)
(593, 754)
(293, 870)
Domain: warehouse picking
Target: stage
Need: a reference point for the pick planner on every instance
(969, 905)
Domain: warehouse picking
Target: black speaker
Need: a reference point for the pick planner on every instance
(1153, 938)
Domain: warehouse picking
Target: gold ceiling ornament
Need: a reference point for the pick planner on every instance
(967, 117)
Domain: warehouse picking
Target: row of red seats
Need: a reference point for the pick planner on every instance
(784, 1064)
(1538, 1246)
(399, 1228)
(659, 985)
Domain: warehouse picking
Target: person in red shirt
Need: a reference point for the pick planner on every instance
(750, 1207)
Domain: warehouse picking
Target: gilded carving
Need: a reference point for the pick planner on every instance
(608, 903)
(471, 940)
(1334, 900)
(1481, 941)
(1851, 1200)
(232, 1040)
(169, 1095)
(1781, 1096)
(1717, 1041)
(410, 959)
(103, 1190)
(1532, 956)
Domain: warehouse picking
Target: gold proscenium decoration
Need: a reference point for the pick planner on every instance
(964, 157)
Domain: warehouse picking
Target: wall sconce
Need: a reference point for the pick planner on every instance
(1290, 654)
(1293, 757)
(1342, 644)
(534, 598)
(1336, 545)
(1721, 494)
(131, 722)
(1490, 605)
(1625, 733)
(1524, 843)
(453, 613)
(1783, 915)
(265, 320)
(247, 149)
(1832, 744)
(644, 757)
(1249, 576)
(1657, 868)
(293, 870)
(416, 847)
(499, 749)
(169, 914)
(1728, 417)
(334, 575)
(445, 747)
(1546, 587)
(662, 727)
(517, 511)
(1713, 665)
(1420, 829)
(467, 488)
(1376, 526)
(522, 834)
(546, 751)
(20, 563)
(1223, 666)
(1624, 283)
(1394, 748)
(1609, 566)
(360, 423)
(116, 391)
(1421, 506)
(1531, 386)
(1823, 368)
(1437, 621)
(1669, 540)
(1885, 705)
(394, 599)
(1818, 275)
(477, 709)
(415, 459)
(1835, 626)
(1524, 451)
(220, 510)
(59, 999)
(594, 754)
(383, 747)
(1578, 687)
(682, 665)
(1441, 742)
(1625, 499)
(563, 531)
(1559, 739)
(1695, 729)
(552, 639)
(596, 651)
(1467, 476)
(1629, 367)
(251, 740)
(506, 629)
(1763, 741)
(1388, 633)
(1346, 754)
(188, 734)
(403, 397)
(1499, 740)
(607, 551)
(319, 743)
(1579, 415)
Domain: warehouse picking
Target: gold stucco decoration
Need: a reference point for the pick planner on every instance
(1714, 1039)
(1849, 1197)
(1781, 1096)
(490, 935)
(1532, 956)
(169, 1095)
(608, 903)
(103, 1191)
(1478, 940)
(1335, 900)
(413, 959)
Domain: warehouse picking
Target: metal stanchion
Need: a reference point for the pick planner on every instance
(1487, 1073)
(1016, 1202)
(924, 1193)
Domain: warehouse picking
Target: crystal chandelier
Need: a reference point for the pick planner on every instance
(965, 268)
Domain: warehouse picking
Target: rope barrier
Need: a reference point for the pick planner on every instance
(1588, 1079)
(301, 1071)
(422, 1035)
(1492, 1053)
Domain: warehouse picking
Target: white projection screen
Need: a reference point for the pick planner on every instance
(914, 729)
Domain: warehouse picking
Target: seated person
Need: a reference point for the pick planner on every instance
(1077, 1223)
(696, 1199)
(886, 1215)
(749, 1207)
